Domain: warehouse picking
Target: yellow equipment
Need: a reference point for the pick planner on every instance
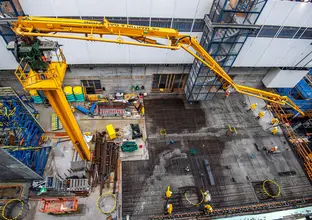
(253, 106)
(208, 208)
(168, 192)
(260, 115)
(51, 80)
(169, 209)
(274, 130)
(111, 131)
(274, 120)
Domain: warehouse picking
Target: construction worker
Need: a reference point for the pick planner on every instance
(208, 208)
(169, 209)
(168, 192)
(273, 150)
(207, 196)
(227, 94)
(274, 120)
(225, 86)
(267, 107)
(261, 114)
(253, 106)
(274, 130)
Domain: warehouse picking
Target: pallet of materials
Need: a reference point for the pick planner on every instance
(56, 124)
(111, 109)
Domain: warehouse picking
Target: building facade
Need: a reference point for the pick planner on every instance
(248, 38)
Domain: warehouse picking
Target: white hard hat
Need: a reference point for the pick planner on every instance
(256, 103)
(276, 147)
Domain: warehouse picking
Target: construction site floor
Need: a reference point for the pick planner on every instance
(236, 164)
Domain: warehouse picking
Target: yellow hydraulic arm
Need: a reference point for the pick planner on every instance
(139, 36)
(94, 31)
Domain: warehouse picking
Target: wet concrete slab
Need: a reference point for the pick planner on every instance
(235, 161)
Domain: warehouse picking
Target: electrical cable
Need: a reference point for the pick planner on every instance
(102, 196)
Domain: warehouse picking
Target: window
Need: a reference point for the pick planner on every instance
(161, 22)
(95, 18)
(70, 17)
(169, 82)
(121, 20)
(307, 34)
(268, 31)
(299, 33)
(198, 25)
(184, 25)
(139, 21)
(288, 32)
(92, 86)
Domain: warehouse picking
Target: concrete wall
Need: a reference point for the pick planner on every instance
(286, 13)
(249, 76)
(114, 79)
(275, 52)
(120, 8)
(277, 78)
(122, 78)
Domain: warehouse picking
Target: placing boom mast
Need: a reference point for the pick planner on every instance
(90, 30)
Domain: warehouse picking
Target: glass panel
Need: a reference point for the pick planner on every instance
(95, 18)
(268, 31)
(229, 61)
(97, 84)
(162, 83)
(204, 71)
(258, 6)
(122, 20)
(288, 32)
(178, 81)
(200, 80)
(161, 22)
(242, 38)
(236, 48)
(139, 21)
(214, 48)
(307, 34)
(182, 24)
(299, 33)
(202, 96)
(219, 34)
(155, 81)
(198, 25)
(251, 19)
(196, 89)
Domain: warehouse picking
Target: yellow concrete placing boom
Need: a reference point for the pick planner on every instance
(51, 80)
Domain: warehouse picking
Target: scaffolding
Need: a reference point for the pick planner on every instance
(20, 132)
(226, 29)
(9, 9)
(301, 95)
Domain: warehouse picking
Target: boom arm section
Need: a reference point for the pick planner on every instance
(143, 36)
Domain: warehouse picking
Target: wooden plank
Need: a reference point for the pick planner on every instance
(172, 82)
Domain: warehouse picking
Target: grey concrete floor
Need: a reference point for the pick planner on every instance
(236, 164)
